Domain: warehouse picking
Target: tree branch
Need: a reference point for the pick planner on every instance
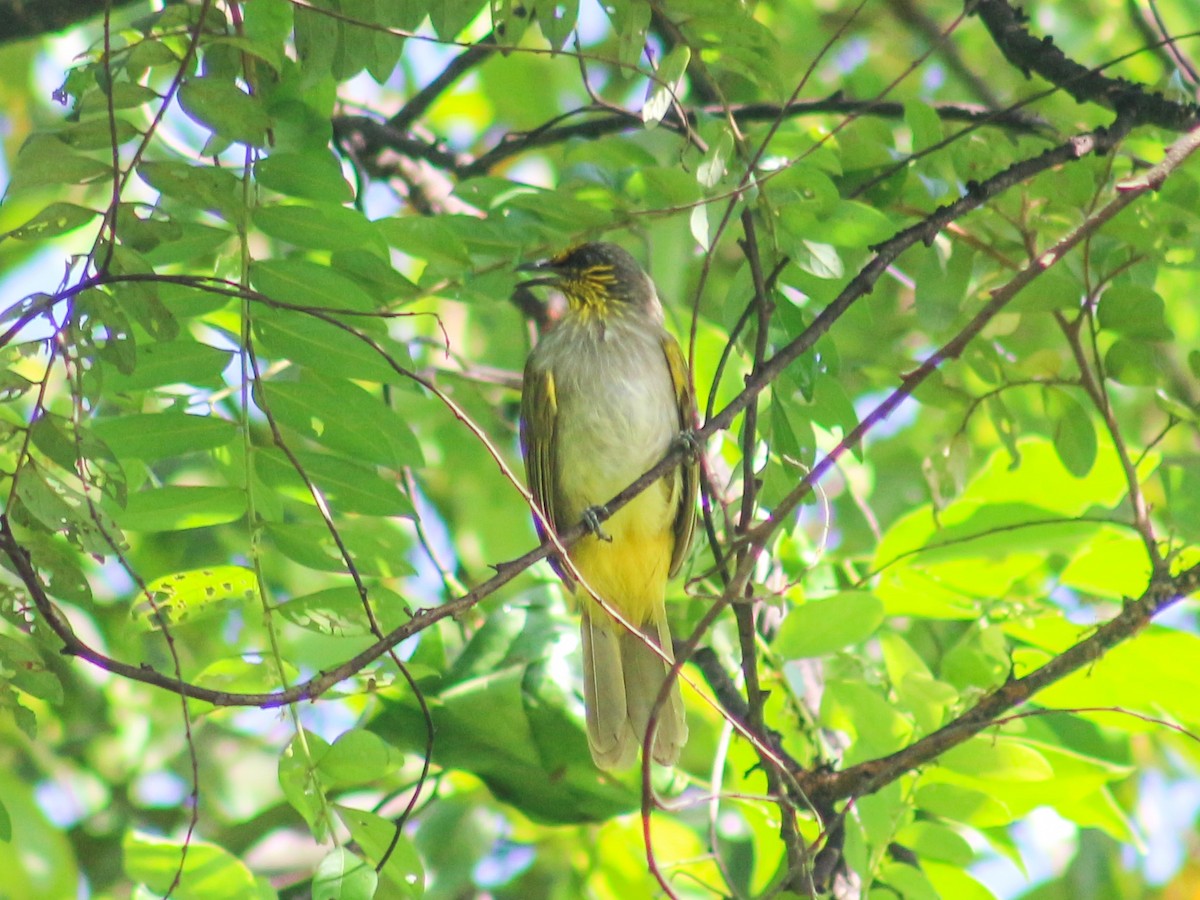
(1040, 55)
(870, 776)
(21, 19)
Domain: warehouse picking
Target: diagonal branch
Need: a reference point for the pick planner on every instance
(870, 776)
(1030, 54)
(20, 19)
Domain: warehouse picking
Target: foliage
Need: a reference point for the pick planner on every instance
(257, 434)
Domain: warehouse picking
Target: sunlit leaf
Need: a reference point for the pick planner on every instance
(195, 595)
(831, 623)
(203, 870)
(176, 508)
(663, 91)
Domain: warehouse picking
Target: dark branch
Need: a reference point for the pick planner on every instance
(427, 96)
(370, 138)
(870, 776)
(1040, 55)
(20, 19)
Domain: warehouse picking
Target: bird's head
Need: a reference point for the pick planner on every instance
(597, 278)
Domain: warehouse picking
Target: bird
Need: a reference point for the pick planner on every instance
(606, 392)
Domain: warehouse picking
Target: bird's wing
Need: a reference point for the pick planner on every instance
(685, 516)
(539, 437)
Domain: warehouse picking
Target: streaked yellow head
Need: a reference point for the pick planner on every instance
(598, 278)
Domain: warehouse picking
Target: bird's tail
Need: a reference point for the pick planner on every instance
(621, 680)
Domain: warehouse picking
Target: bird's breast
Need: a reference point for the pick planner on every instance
(617, 411)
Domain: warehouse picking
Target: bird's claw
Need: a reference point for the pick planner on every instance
(592, 517)
(688, 441)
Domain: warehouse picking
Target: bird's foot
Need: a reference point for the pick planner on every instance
(592, 517)
(687, 441)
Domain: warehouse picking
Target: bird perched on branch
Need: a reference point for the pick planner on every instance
(606, 393)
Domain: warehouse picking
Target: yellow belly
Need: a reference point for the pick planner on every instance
(630, 571)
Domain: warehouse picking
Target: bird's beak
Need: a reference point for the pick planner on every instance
(551, 275)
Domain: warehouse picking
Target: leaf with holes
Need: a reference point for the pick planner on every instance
(196, 595)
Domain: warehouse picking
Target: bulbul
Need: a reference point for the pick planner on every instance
(606, 392)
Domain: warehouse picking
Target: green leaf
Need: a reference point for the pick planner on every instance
(556, 20)
(61, 509)
(324, 347)
(267, 52)
(61, 565)
(139, 298)
(255, 676)
(204, 871)
(657, 187)
(934, 841)
(178, 508)
(152, 436)
(403, 872)
(952, 881)
(186, 242)
(55, 219)
(97, 134)
(990, 758)
(924, 123)
(906, 881)
(77, 449)
(425, 238)
(1114, 563)
(376, 551)
(345, 417)
(449, 17)
(124, 94)
(13, 385)
(226, 109)
(630, 20)
(358, 757)
(375, 274)
(341, 875)
(665, 88)
(324, 227)
(504, 716)
(299, 782)
(1048, 292)
(196, 595)
(347, 486)
(979, 658)
(204, 187)
(1133, 363)
(819, 259)
(822, 626)
(855, 224)
(43, 161)
(712, 169)
(312, 175)
(339, 611)
(1135, 312)
(148, 54)
(299, 282)
(876, 727)
(172, 363)
(962, 804)
(23, 666)
(1073, 433)
(805, 192)
(316, 38)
